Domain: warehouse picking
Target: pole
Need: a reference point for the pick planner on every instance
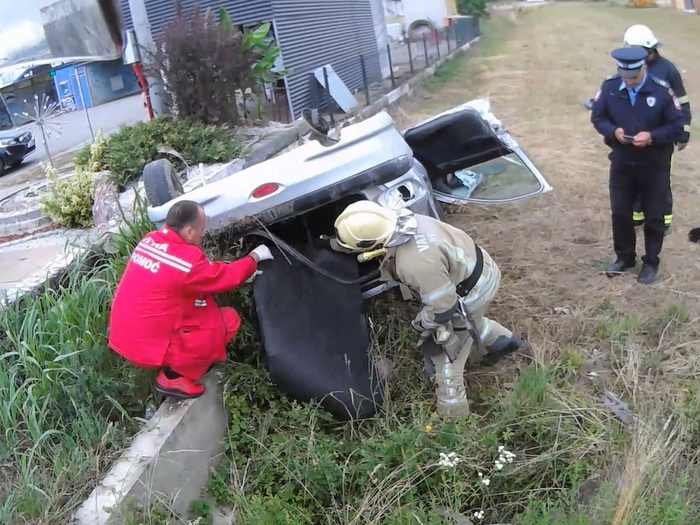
(82, 98)
(425, 50)
(391, 66)
(410, 54)
(142, 29)
(365, 85)
(328, 94)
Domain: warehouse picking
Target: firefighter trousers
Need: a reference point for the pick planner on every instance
(449, 375)
(651, 181)
(638, 214)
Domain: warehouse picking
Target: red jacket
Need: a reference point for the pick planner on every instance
(166, 293)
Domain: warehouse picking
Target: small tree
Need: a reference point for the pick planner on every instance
(207, 66)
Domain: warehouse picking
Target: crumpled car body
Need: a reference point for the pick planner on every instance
(309, 301)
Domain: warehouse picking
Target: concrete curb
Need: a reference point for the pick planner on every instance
(169, 462)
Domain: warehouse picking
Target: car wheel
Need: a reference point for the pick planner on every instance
(161, 182)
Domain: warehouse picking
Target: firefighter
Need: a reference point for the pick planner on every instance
(640, 120)
(660, 67)
(454, 278)
(164, 314)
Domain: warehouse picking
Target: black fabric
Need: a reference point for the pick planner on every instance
(669, 203)
(171, 374)
(650, 180)
(453, 142)
(315, 335)
(466, 286)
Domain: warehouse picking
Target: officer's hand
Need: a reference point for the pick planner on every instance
(619, 135)
(261, 253)
(642, 139)
(681, 146)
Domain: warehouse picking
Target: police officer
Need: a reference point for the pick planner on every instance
(659, 67)
(454, 278)
(640, 120)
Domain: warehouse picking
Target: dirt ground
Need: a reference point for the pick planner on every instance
(537, 66)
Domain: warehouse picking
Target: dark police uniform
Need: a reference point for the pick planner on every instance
(664, 69)
(635, 170)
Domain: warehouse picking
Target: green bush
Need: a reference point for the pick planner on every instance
(472, 8)
(127, 151)
(69, 200)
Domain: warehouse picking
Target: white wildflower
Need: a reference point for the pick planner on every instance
(486, 482)
(448, 460)
(498, 465)
(479, 514)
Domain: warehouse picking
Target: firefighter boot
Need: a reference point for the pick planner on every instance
(502, 347)
(450, 388)
(179, 387)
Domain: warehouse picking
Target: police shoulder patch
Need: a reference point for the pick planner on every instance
(660, 82)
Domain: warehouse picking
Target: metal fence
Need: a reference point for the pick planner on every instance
(400, 61)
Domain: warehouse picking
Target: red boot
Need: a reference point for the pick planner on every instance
(180, 388)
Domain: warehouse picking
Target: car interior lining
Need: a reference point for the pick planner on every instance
(452, 142)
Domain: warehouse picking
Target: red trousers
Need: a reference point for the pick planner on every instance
(193, 352)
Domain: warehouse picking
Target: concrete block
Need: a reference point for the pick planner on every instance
(170, 461)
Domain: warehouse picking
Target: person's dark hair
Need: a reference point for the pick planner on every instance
(182, 214)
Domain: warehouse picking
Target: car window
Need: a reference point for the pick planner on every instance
(503, 178)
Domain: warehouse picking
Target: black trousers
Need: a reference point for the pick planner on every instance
(668, 213)
(652, 183)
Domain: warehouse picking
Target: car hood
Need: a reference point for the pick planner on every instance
(12, 133)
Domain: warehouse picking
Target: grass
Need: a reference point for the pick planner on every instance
(66, 400)
(576, 463)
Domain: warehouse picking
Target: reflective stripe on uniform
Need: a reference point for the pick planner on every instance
(683, 100)
(686, 128)
(433, 296)
(668, 219)
(637, 215)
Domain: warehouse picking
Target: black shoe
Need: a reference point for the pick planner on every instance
(501, 348)
(647, 274)
(617, 267)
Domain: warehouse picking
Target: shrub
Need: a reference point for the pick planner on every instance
(69, 200)
(126, 152)
(208, 66)
(472, 8)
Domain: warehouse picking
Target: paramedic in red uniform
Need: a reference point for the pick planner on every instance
(164, 314)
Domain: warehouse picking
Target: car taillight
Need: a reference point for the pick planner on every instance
(265, 189)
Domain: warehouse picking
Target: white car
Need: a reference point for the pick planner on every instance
(309, 300)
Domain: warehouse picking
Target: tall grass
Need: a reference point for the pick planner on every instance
(66, 400)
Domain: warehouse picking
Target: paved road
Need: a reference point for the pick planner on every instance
(75, 131)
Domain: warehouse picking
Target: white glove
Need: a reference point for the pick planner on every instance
(263, 253)
(252, 277)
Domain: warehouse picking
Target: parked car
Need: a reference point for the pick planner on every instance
(309, 300)
(15, 145)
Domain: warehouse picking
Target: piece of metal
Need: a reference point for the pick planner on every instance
(365, 85)
(437, 41)
(335, 87)
(410, 54)
(391, 66)
(425, 50)
(328, 92)
(82, 99)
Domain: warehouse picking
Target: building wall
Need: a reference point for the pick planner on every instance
(161, 11)
(111, 80)
(310, 33)
(313, 33)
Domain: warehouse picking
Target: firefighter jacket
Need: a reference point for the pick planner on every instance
(165, 296)
(433, 262)
(655, 110)
(664, 69)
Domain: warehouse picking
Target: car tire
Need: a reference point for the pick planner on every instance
(161, 182)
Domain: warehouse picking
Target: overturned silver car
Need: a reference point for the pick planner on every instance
(309, 302)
